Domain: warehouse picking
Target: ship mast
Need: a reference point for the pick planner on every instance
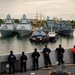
(37, 16)
(40, 17)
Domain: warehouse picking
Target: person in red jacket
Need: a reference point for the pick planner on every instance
(73, 50)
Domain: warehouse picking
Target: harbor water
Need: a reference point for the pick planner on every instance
(18, 44)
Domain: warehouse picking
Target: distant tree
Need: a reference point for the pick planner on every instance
(16, 20)
(73, 24)
(1, 21)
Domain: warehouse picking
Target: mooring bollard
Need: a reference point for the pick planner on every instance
(33, 73)
(64, 68)
(69, 73)
(54, 68)
(50, 72)
(7, 68)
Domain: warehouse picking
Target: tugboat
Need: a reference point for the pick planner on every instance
(24, 27)
(39, 36)
(52, 36)
(8, 28)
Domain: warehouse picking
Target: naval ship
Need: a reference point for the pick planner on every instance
(24, 27)
(8, 28)
(61, 27)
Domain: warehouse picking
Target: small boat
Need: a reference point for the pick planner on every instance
(39, 37)
(8, 28)
(24, 27)
(52, 36)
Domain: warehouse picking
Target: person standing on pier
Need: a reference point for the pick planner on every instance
(60, 51)
(35, 56)
(73, 50)
(11, 59)
(46, 52)
(23, 60)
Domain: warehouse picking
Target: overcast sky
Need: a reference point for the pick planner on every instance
(53, 8)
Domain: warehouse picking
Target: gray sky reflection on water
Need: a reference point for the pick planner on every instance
(19, 44)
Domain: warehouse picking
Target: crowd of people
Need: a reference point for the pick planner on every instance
(35, 56)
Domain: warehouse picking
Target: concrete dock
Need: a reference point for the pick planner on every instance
(68, 58)
(45, 71)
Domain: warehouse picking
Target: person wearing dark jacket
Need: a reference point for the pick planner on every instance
(23, 60)
(46, 52)
(35, 56)
(11, 59)
(60, 51)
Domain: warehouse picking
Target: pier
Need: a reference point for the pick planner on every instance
(67, 58)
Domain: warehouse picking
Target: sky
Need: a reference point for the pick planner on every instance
(64, 9)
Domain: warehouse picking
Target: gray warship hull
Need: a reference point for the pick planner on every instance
(24, 32)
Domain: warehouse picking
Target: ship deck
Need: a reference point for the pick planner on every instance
(43, 71)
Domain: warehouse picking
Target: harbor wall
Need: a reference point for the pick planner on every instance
(68, 58)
